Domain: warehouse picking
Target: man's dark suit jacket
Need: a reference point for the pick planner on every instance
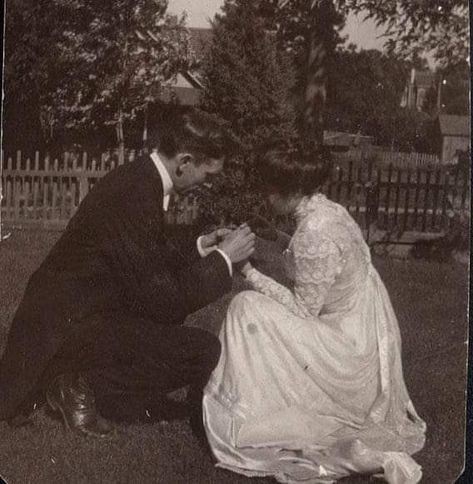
(116, 254)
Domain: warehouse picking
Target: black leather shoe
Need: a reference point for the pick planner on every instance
(70, 395)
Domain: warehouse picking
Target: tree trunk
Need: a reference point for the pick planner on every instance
(321, 44)
(145, 127)
(315, 90)
(120, 139)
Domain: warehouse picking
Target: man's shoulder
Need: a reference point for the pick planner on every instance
(131, 175)
(124, 190)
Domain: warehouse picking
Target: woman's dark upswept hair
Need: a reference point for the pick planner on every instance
(195, 132)
(289, 168)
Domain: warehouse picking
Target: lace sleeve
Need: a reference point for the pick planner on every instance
(318, 260)
(276, 291)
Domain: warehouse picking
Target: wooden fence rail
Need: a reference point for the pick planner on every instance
(46, 193)
(382, 157)
(397, 199)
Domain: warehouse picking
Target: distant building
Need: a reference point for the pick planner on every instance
(185, 90)
(417, 88)
(453, 136)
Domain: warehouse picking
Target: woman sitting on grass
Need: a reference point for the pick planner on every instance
(309, 386)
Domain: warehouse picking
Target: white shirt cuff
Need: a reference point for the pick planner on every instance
(227, 260)
(205, 252)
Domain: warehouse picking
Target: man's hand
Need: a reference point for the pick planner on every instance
(239, 244)
(214, 238)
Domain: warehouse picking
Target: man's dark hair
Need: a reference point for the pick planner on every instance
(195, 132)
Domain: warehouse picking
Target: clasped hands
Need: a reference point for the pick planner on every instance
(237, 243)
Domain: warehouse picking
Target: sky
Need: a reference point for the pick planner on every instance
(362, 33)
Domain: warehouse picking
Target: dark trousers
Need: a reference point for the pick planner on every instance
(130, 361)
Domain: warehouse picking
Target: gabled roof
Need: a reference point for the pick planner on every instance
(187, 85)
(185, 96)
(453, 125)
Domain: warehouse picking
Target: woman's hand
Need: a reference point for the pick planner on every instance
(244, 266)
(239, 244)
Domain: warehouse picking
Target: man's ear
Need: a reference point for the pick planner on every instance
(183, 162)
(185, 159)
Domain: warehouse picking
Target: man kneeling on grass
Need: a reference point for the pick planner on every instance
(100, 323)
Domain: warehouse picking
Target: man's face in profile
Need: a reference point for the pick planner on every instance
(192, 174)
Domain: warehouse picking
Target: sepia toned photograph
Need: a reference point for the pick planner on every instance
(234, 241)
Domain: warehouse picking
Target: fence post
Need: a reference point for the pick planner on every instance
(388, 197)
(83, 182)
(436, 198)
(397, 195)
(426, 198)
(406, 199)
(18, 160)
(46, 181)
(372, 202)
(349, 183)
(27, 185)
(121, 154)
(446, 185)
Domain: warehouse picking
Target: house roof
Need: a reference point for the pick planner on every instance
(185, 90)
(454, 125)
(185, 96)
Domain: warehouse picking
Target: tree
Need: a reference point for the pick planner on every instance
(92, 63)
(247, 83)
(130, 50)
(413, 27)
(438, 26)
(364, 97)
(364, 85)
(246, 80)
(31, 66)
(309, 30)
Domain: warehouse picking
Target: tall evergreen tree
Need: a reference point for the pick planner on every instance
(310, 31)
(246, 80)
(247, 83)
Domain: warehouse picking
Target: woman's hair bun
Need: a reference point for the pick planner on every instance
(291, 166)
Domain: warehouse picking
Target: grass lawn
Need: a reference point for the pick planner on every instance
(430, 300)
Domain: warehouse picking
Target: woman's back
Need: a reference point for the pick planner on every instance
(327, 257)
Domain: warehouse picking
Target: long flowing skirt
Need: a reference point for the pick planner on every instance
(312, 400)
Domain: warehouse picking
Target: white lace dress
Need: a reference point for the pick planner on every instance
(309, 387)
